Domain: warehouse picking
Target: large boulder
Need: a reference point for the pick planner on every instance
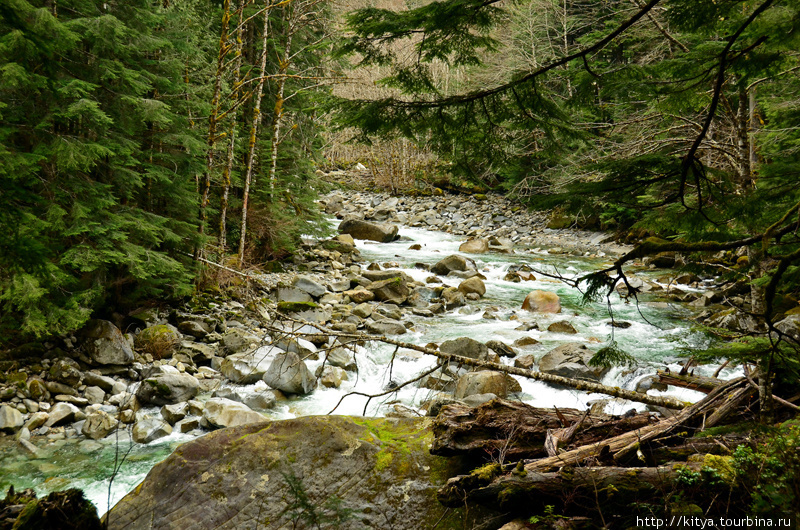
(232, 477)
(161, 340)
(453, 298)
(571, 360)
(149, 429)
(98, 425)
(104, 343)
(11, 419)
(465, 347)
(474, 246)
(222, 412)
(163, 389)
(451, 263)
(360, 229)
(486, 382)
(309, 285)
(472, 285)
(393, 290)
(248, 368)
(289, 374)
(66, 371)
(236, 340)
(542, 302)
(61, 413)
(386, 327)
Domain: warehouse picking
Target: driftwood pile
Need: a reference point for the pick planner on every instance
(538, 457)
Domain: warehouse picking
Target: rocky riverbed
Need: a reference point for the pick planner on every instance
(176, 373)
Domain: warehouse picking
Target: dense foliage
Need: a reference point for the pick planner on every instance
(676, 118)
(105, 148)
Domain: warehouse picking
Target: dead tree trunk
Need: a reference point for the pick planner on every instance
(692, 382)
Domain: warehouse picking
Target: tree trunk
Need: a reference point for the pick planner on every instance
(279, 100)
(226, 172)
(254, 123)
(214, 113)
(509, 430)
(692, 382)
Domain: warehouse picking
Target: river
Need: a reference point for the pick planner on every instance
(658, 333)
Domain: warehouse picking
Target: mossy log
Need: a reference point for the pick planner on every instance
(535, 490)
(693, 382)
(514, 430)
(713, 445)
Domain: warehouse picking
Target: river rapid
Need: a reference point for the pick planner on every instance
(658, 333)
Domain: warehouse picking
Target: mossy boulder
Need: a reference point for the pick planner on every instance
(238, 477)
(160, 341)
(296, 307)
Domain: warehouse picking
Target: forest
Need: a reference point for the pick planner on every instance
(145, 146)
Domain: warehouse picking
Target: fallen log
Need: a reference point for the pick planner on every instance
(533, 489)
(693, 382)
(712, 445)
(510, 431)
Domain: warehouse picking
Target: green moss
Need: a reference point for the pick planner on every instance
(487, 472)
(743, 427)
(295, 307)
(160, 388)
(723, 466)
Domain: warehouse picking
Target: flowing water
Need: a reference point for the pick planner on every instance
(658, 333)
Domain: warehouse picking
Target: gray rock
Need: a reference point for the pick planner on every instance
(150, 429)
(60, 388)
(526, 362)
(60, 414)
(380, 275)
(221, 413)
(247, 368)
(562, 326)
(237, 340)
(104, 344)
(98, 424)
(386, 327)
(11, 419)
(500, 348)
(465, 347)
(474, 246)
(195, 328)
(94, 395)
(475, 400)
(164, 389)
(453, 298)
(331, 376)
(104, 382)
(66, 371)
(187, 425)
(790, 326)
(201, 354)
(571, 360)
(342, 358)
(263, 400)
(359, 295)
(393, 290)
(310, 286)
(359, 229)
(454, 262)
(485, 382)
(172, 414)
(289, 374)
(36, 420)
(290, 294)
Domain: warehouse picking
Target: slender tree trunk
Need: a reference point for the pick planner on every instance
(278, 112)
(226, 173)
(256, 119)
(214, 113)
(743, 138)
(752, 130)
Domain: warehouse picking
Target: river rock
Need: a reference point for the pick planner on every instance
(104, 343)
(359, 295)
(790, 326)
(309, 285)
(465, 347)
(221, 413)
(359, 229)
(454, 262)
(195, 327)
(397, 476)
(386, 327)
(453, 298)
(67, 371)
(149, 429)
(54, 387)
(11, 419)
(236, 340)
(290, 294)
(37, 389)
(562, 326)
(542, 302)
(342, 358)
(94, 379)
(247, 368)
(61, 413)
(486, 382)
(570, 360)
(472, 285)
(164, 389)
(526, 362)
(36, 420)
(289, 374)
(501, 348)
(172, 414)
(161, 340)
(474, 246)
(393, 290)
(378, 275)
(98, 424)
(263, 400)
(331, 376)
(94, 395)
